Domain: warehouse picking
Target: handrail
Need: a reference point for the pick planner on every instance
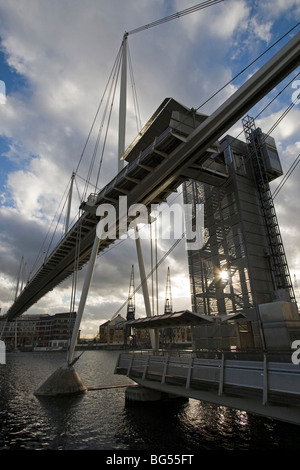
(280, 355)
(278, 380)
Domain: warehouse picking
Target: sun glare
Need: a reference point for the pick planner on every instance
(224, 275)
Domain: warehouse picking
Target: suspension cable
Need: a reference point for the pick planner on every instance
(49, 229)
(98, 109)
(87, 182)
(286, 177)
(113, 91)
(249, 65)
(152, 271)
(134, 93)
(174, 16)
(113, 80)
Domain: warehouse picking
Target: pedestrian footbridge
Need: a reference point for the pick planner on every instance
(170, 151)
(260, 384)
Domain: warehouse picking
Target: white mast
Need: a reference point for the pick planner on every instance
(123, 105)
(85, 290)
(19, 275)
(16, 295)
(69, 203)
(121, 150)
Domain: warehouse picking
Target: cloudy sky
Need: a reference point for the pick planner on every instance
(56, 57)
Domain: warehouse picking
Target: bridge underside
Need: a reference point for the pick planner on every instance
(286, 413)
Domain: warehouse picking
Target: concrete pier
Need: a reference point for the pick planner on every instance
(64, 381)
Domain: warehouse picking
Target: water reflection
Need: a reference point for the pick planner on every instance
(155, 426)
(58, 415)
(196, 426)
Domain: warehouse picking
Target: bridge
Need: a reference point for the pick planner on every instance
(175, 151)
(176, 144)
(262, 385)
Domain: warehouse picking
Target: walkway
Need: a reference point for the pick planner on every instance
(260, 384)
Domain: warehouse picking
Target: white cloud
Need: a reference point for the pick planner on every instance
(261, 30)
(217, 22)
(286, 127)
(274, 8)
(234, 17)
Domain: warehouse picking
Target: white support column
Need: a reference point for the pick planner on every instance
(143, 274)
(265, 381)
(163, 378)
(19, 275)
(3, 328)
(130, 365)
(84, 294)
(189, 374)
(146, 368)
(153, 333)
(16, 334)
(121, 149)
(221, 379)
(122, 105)
(69, 204)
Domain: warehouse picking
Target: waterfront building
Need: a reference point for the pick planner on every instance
(39, 331)
(114, 333)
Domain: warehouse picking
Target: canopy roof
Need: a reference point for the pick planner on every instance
(182, 318)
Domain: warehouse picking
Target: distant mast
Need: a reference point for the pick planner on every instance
(168, 298)
(131, 298)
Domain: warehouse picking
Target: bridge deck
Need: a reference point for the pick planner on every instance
(264, 387)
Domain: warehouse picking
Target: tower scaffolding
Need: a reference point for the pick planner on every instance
(283, 287)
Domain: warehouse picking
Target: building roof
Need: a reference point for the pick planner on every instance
(114, 322)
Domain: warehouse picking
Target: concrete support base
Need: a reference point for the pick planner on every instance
(64, 381)
(137, 393)
(140, 394)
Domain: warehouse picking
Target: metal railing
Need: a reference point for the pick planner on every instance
(260, 377)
